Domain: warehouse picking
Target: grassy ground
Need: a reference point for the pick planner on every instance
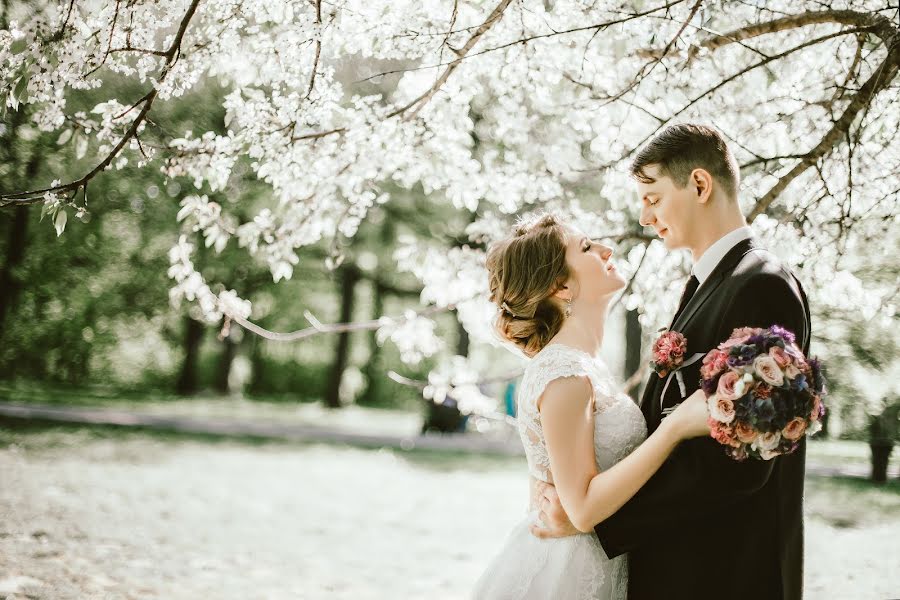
(97, 513)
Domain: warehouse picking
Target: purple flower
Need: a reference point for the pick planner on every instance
(783, 333)
(818, 379)
(756, 340)
(743, 407)
(784, 409)
(741, 355)
(710, 385)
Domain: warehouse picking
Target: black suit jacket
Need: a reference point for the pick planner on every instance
(706, 526)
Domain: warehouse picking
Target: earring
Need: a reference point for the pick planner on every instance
(568, 311)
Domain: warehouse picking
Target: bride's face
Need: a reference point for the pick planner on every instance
(593, 276)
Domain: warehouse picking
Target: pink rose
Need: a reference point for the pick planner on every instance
(791, 372)
(738, 336)
(745, 332)
(763, 390)
(795, 429)
(767, 369)
(781, 357)
(720, 409)
(729, 385)
(722, 433)
(768, 441)
(745, 432)
(714, 363)
(816, 408)
(794, 351)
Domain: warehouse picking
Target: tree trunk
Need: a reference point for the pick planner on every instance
(348, 277)
(881, 454)
(632, 348)
(462, 338)
(372, 369)
(15, 252)
(193, 335)
(257, 366)
(10, 284)
(223, 369)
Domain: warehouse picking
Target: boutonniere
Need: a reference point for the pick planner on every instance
(668, 352)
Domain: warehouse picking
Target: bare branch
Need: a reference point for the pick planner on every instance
(112, 31)
(62, 28)
(878, 81)
(841, 17)
(630, 279)
(728, 80)
(649, 67)
(446, 41)
(128, 48)
(419, 102)
(317, 327)
(594, 27)
(312, 78)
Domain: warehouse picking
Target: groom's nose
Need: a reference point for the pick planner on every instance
(646, 219)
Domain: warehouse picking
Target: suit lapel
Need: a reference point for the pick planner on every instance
(725, 266)
(650, 400)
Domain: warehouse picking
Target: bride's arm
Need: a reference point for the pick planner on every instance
(587, 495)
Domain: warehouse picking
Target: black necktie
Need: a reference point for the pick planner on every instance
(690, 287)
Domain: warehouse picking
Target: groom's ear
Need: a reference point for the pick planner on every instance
(702, 183)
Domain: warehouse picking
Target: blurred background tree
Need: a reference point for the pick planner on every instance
(349, 163)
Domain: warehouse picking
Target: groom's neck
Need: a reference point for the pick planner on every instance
(716, 228)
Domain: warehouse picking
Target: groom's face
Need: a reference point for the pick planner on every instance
(671, 211)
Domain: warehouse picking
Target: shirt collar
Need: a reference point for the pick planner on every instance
(703, 268)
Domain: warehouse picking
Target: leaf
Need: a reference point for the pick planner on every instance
(18, 46)
(60, 222)
(19, 90)
(64, 137)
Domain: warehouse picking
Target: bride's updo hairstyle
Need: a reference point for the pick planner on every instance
(524, 271)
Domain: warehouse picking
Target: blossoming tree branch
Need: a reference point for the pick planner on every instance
(492, 107)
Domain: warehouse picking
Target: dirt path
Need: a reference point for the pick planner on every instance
(137, 516)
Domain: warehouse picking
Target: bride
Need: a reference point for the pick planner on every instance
(553, 286)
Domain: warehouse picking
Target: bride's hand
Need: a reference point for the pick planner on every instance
(690, 418)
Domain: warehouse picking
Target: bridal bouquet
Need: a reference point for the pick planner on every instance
(763, 394)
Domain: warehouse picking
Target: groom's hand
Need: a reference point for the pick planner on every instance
(555, 521)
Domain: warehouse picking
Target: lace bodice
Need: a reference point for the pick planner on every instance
(619, 426)
(573, 567)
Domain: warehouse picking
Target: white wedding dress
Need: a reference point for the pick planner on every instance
(575, 567)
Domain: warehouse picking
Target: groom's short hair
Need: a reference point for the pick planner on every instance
(679, 149)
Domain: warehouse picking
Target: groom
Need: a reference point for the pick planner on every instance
(706, 526)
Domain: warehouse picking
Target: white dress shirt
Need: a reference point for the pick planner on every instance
(703, 268)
